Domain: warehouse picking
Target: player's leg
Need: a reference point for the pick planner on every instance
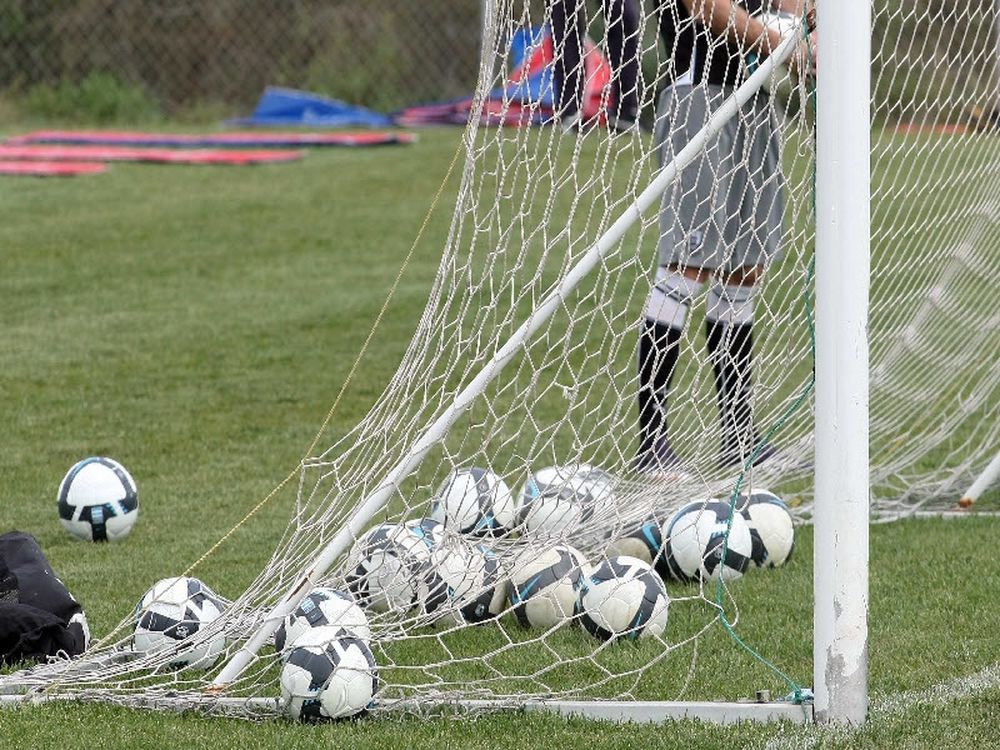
(729, 318)
(568, 21)
(667, 309)
(687, 232)
(622, 17)
(754, 191)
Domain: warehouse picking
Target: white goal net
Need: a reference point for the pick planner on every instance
(534, 246)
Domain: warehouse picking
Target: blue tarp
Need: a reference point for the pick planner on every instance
(536, 86)
(280, 106)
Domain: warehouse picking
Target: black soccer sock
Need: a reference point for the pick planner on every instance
(659, 347)
(730, 347)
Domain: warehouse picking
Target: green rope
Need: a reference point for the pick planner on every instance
(798, 694)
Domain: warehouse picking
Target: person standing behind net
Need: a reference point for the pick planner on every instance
(569, 22)
(720, 224)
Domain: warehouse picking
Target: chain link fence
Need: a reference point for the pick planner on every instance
(118, 59)
(178, 55)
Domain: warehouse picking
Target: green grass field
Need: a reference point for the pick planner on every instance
(196, 323)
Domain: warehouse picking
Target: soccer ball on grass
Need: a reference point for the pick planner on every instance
(328, 674)
(98, 500)
(171, 614)
(622, 597)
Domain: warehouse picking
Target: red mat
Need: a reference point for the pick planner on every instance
(219, 140)
(50, 168)
(160, 156)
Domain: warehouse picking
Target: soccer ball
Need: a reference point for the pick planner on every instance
(543, 588)
(474, 501)
(80, 629)
(487, 595)
(434, 534)
(771, 528)
(622, 598)
(556, 500)
(322, 606)
(328, 674)
(446, 579)
(693, 541)
(471, 580)
(98, 500)
(386, 566)
(644, 542)
(172, 611)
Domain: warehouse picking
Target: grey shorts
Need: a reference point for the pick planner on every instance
(725, 208)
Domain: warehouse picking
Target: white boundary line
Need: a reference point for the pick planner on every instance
(889, 706)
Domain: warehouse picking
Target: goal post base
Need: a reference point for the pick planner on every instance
(655, 712)
(621, 712)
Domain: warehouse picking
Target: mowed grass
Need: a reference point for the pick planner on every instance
(196, 324)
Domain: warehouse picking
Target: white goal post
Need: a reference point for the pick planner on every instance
(840, 518)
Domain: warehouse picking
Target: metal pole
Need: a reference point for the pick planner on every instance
(840, 645)
(983, 481)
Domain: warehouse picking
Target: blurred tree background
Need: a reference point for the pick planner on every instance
(182, 55)
(107, 60)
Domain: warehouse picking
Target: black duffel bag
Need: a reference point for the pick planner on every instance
(39, 618)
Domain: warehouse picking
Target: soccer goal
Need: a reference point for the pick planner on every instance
(511, 534)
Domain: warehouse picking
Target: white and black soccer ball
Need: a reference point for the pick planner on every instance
(446, 579)
(487, 595)
(558, 500)
(772, 529)
(328, 674)
(543, 586)
(644, 542)
(430, 530)
(171, 614)
(80, 629)
(386, 568)
(623, 597)
(321, 607)
(474, 501)
(98, 500)
(469, 582)
(694, 539)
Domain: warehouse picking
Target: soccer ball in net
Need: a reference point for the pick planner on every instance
(694, 539)
(386, 566)
(772, 531)
(474, 501)
(98, 500)
(173, 611)
(328, 674)
(557, 500)
(431, 531)
(623, 597)
(543, 586)
(446, 578)
(468, 582)
(487, 596)
(323, 606)
(644, 542)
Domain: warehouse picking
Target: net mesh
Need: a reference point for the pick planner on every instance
(532, 203)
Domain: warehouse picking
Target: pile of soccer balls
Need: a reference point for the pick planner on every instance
(481, 552)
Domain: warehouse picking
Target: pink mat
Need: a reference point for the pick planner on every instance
(218, 140)
(50, 168)
(160, 155)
